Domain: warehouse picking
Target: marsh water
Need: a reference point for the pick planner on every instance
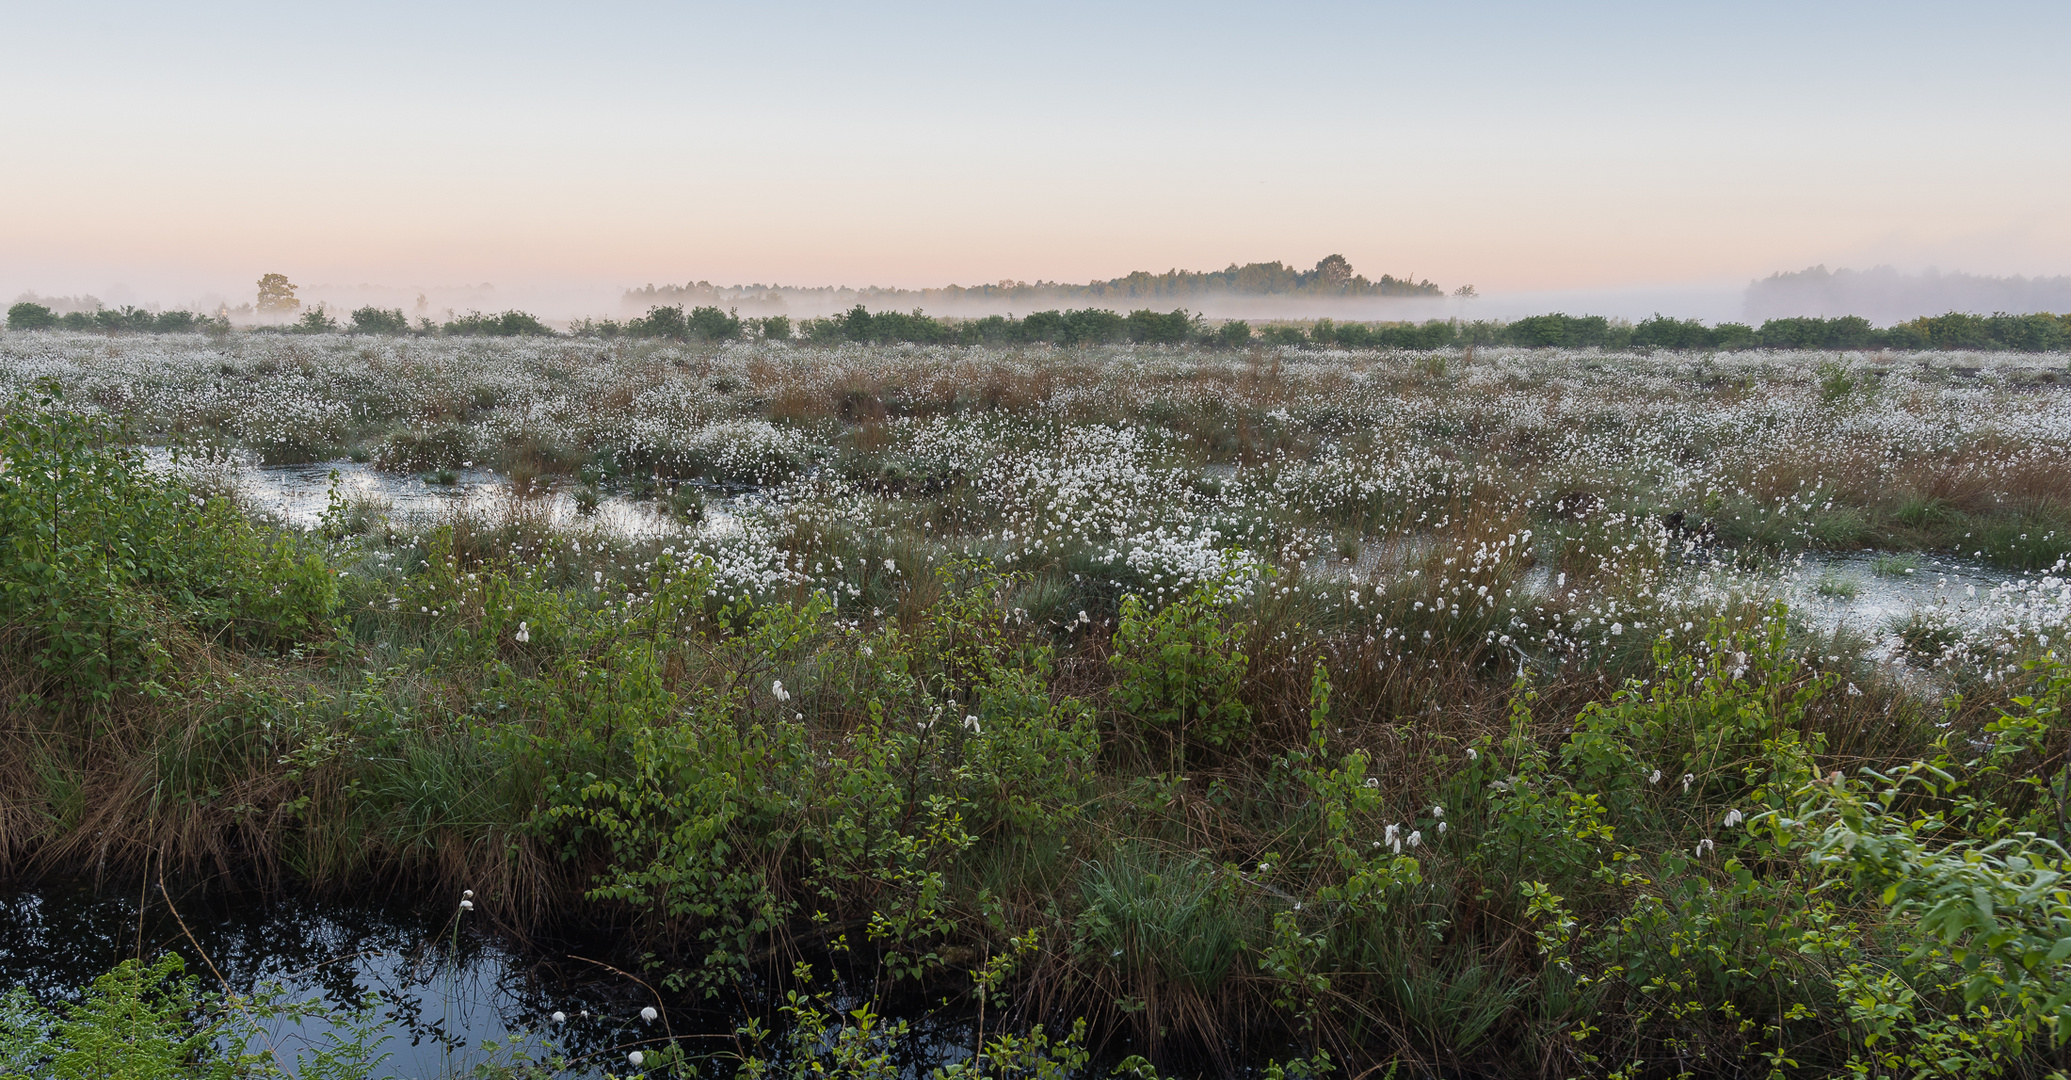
(440, 990)
(447, 992)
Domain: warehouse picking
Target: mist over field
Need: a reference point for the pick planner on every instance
(1884, 295)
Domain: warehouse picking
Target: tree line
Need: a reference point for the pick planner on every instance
(1331, 277)
(1098, 326)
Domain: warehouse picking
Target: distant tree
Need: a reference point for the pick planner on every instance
(277, 294)
(777, 328)
(1333, 273)
(1466, 292)
(27, 316)
(316, 321)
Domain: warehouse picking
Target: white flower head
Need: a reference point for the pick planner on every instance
(1373, 781)
(1441, 828)
(1688, 779)
(776, 690)
(1389, 834)
(890, 565)
(1416, 838)
(559, 1017)
(1733, 817)
(971, 723)
(1438, 812)
(1705, 847)
(467, 894)
(467, 905)
(1655, 778)
(648, 1014)
(635, 1058)
(524, 632)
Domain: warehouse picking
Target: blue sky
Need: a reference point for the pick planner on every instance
(1529, 149)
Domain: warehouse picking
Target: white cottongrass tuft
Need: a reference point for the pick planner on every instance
(636, 1058)
(559, 1017)
(648, 1014)
(1733, 817)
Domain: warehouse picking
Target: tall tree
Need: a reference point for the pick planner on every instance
(276, 293)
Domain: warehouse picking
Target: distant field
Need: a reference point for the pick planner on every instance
(1491, 711)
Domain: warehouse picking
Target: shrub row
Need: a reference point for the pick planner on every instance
(2040, 332)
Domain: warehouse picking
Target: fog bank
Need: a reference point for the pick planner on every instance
(1884, 295)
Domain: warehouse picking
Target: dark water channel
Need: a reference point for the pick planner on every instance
(445, 992)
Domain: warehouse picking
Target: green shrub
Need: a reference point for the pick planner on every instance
(28, 316)
(315, 321)
(1178, 671)
(374, 320)
(712, 324)
(134, 1023)
(507, 324)
(1151, 328)
(101, 555)
(1283, 335)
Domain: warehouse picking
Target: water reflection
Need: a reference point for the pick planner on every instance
(299, 494)
(446, 987)
(443, 989)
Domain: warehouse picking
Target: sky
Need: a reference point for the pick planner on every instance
(1638, 154)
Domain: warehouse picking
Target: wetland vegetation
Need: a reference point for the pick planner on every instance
(1164, 707)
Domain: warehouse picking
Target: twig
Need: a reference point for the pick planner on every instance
(228, 994)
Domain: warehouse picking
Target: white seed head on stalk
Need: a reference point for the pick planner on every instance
(648, 1014)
